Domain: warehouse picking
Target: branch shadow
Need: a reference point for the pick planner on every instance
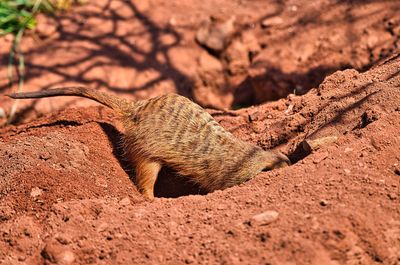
(299, 153)
(98, 47)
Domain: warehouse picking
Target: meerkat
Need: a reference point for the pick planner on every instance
(173, 131)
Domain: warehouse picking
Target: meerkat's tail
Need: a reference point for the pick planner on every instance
(109, 100)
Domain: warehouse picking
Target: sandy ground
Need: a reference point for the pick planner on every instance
(68, 196)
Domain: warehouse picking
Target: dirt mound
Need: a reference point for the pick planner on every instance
(67, 197)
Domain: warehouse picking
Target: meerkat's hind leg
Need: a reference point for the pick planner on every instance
(146, 176)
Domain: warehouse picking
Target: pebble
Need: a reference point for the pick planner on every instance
(215, 34)
(254, 116)
(348, 149)
(265, 218)
(66, 257)
(58, 255)
(125, 201)
(36, 191)
(323, 202)
(45, 156)
(172, 21)
(289, 109)
(397, 169)
(271, 21)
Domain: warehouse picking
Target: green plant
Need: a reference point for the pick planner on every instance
(17, 16)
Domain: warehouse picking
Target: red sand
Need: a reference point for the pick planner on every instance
(67, 195)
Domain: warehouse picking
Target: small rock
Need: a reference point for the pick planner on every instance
(265, 218)
(58, 254)
(44, 156)
(36, 191)
(348, 149)
(392, 196)
(397, 169)
(289, 110)
(125, 201)
(172, 21)
(188, 261)
(66, 257)
(271, 21)
(323, 203)
(347, 171)
(2, 113)
(254, 116)
(216, 34)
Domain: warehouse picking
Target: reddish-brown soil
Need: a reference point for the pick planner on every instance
(67, 196)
